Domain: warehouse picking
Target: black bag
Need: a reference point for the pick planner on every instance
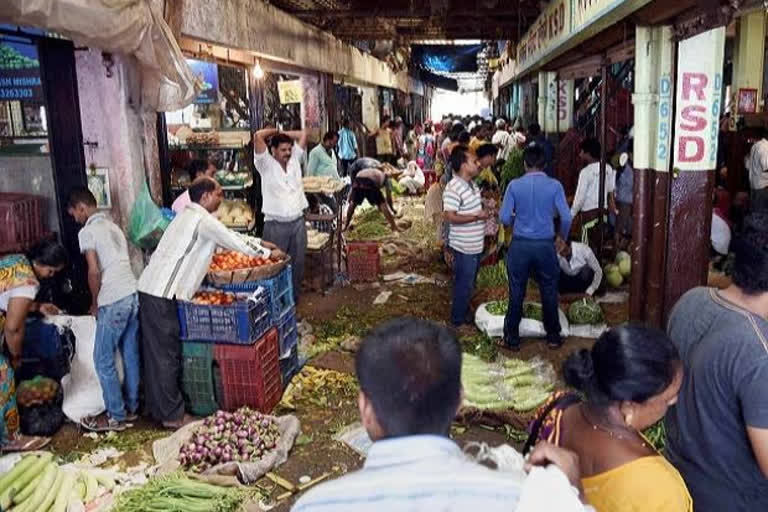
(43, 419)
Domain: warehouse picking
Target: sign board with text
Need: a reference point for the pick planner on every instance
(290, 91)
(559, 115)
(698, 100)
(584, 11)
(19, 72)
(550, 28)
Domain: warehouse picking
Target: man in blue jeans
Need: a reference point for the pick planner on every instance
(530, 205)
(463, 212)
(115, 303)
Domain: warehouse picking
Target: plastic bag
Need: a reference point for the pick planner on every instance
(147, 221)
(493, 325)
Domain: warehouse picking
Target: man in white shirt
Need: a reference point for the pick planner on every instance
(580, 272)
(175, 271)
(503, 140)
(196, 169)
(410, 389)
(283, 193)
(587, 197)
(757, 163)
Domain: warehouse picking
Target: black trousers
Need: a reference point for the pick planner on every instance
(578, 283)
(161, 352)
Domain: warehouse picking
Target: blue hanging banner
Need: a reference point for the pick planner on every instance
(208, 74)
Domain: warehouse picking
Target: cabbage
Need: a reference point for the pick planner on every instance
(613, 276)
(625, 267)
(585, 311)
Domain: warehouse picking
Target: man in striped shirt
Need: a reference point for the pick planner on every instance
(463, 211)
(410, 389)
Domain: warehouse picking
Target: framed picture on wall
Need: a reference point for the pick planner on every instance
(747, 101)
(98, 184)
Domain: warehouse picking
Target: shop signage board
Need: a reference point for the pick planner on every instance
(19, 72)
(699, 89)
(664, 125)
(559, 113)
(584, 11)
(549, 29)
(208, 74)
(290, 91)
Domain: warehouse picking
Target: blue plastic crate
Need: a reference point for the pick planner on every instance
(241, 323)
(287, 331)
(280, 290)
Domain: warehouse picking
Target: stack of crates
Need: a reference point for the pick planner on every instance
(289, 345)
(230, 355)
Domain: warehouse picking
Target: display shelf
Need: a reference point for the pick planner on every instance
(185, 147)
(244, 186)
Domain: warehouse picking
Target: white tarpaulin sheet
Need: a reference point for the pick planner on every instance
(128, 27)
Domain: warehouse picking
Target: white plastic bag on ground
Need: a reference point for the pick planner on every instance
(587, 330)
(493, 325)
(81, 387)
(166, 452)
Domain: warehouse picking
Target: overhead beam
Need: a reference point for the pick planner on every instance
(419, 12)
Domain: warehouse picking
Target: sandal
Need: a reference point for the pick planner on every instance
(22, 443)
(102, 423)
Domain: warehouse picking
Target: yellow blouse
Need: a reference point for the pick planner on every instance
(645, 484)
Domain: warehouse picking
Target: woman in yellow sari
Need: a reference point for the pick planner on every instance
(629, 379)
(19, 275)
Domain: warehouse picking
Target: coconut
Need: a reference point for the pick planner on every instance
(625, 267)
(613, 276)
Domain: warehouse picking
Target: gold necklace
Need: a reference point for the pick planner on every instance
(611, 433)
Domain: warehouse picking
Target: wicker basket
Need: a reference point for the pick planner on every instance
(244, 275)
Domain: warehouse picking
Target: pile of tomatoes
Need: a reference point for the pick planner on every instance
(233, 260)
(39, 390)
(214, 298)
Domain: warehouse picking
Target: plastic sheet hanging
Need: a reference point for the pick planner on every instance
(129, 27)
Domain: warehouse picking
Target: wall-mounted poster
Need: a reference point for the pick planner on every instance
(747, 101)
(290, 91)
(98, 184)
(208, 74)
(19, 71)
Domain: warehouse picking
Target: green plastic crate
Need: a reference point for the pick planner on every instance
(197, 378)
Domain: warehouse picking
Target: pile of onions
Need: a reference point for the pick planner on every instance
(243, 436)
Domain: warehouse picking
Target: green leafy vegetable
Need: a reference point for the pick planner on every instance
(585, 311)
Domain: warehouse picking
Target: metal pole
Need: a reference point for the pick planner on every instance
(601, 206)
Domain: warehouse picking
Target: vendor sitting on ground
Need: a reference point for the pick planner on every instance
(19, 283)
(580, 272)
(413, 178)
(367, 184)
(410, 389)
(175, 272)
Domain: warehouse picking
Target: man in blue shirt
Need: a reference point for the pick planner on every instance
(347, 146)
(530, 205)
(535, 135)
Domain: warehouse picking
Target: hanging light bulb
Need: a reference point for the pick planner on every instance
(258, 72)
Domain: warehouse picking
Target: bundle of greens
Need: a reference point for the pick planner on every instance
(177, 493)
(513, 168)
(491, 276)
(585, 312)
(507, 384)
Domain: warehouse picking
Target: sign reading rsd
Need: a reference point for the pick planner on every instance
(699, 90)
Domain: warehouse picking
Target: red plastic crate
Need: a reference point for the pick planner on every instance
(250, 375)
(21, 220)
(363, 261)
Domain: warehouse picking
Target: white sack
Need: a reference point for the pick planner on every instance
(493, 325)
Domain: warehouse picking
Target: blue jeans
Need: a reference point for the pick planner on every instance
(117, 328)
(539, 256)
(465, 267)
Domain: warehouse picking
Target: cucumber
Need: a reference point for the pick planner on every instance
(10, 477)
(34, 501)
(32, 474)
(54, 491)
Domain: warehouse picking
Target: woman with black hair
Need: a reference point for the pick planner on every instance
(19, 283)
(627, 381)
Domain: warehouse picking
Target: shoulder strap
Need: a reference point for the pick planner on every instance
(564, 401)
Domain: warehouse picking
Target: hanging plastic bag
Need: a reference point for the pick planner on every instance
(147, 221)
